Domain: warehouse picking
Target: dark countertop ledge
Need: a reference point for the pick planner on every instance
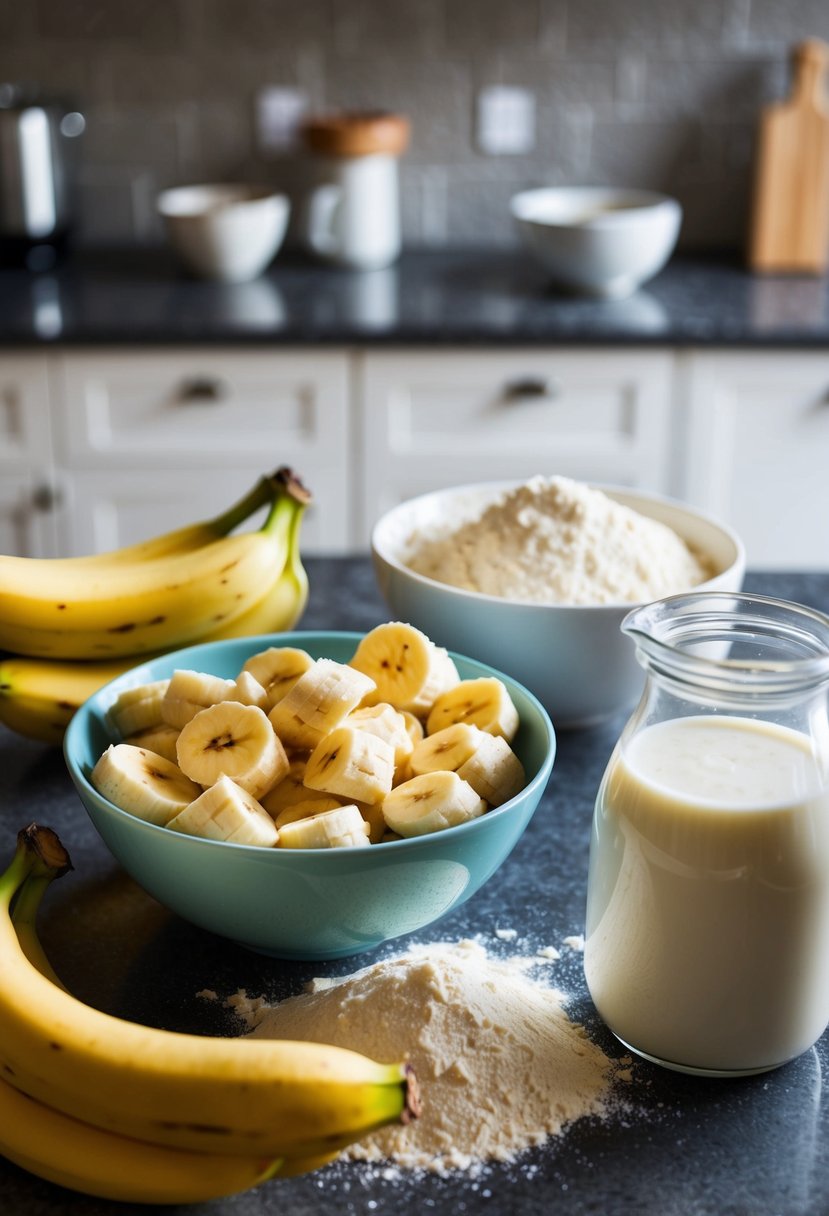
(432, 297)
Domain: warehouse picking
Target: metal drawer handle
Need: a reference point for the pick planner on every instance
(532, 388)
(201, 389)
(46, 498)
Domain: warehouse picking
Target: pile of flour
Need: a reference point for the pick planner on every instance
(558, 541)
(500, 1065)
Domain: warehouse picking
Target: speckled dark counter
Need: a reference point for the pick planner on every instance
(431, 297)
(683, 1147)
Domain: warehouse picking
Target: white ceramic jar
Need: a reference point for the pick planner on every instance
(352, 214)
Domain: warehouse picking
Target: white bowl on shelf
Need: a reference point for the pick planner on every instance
(227, 232)
(598, 241)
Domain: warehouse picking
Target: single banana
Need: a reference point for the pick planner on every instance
(341, 828)
(137, 607)
(38, 697)
(143, 783)
(235, 740)
(283, 603)
(88, 1159)
(227, 812)
(352, 764)
(446, 749)
(430, 803)
(253, 1098)
(483, 702)
(408, 669)
(277, 669)
(188, 693)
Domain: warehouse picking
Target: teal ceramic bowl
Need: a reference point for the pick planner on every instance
(306, 903)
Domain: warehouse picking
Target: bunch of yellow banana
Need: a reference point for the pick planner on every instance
(72, 624)
(127, 1112)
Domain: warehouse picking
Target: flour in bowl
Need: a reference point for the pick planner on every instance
(557, 541)
(500, 1064)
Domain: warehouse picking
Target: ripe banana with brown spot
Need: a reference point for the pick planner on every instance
(249, 1098)
(92, 1161)
(101, 609)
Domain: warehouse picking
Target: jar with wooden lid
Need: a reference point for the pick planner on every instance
(353, 212)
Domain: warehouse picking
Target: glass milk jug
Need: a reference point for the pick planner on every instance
(707, 934)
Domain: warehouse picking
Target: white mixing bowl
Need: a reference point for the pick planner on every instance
(574, 658)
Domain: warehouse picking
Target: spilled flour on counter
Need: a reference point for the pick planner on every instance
(501, 1066)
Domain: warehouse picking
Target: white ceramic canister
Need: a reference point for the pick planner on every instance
(352, 214)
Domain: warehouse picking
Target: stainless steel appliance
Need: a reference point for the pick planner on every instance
(35, 176)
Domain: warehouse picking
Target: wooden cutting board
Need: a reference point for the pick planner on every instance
(790, 220)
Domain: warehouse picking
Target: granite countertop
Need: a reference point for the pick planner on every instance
(497, 297)
(751, 1147)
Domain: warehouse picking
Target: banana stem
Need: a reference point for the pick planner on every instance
(265, 491)
(289, 501)
(39, 854)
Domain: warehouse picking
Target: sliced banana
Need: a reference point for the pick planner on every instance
(483, 702)
(445, 750)
(430, 803)
(248, 691)
(227, 812)
(277, 669)
(288, 790)
(326, 693)
(386, 722)
(335, 829)
(159, 739)
(414, 726)
(353, 764)
(295, 734)
(138, 708)
(410, 671)
(189, 692)
(143, 783)
(493, 770)
(306, 808)
(233, 740)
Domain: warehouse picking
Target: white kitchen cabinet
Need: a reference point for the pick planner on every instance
(756, 450)
(432, 419)
(147, 440)
(27, 497)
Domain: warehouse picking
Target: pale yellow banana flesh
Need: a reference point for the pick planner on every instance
(408, 669)
(233, 740)
(143, 783)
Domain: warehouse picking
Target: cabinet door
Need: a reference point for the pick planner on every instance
(107, 510)
(430, 420)
(757, 452)
(198, 427)
(27, 499)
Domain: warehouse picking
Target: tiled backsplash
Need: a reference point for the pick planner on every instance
(656, 93)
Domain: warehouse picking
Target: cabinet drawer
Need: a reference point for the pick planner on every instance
(28, 507)
(757, 452)
(183, 407)
(437, 419)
